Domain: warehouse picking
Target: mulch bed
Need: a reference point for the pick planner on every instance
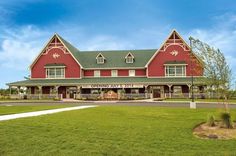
(217, 132)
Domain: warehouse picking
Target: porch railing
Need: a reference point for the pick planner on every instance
(35, 96)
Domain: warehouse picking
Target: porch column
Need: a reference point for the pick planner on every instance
(78, 92)
(189, 90)
(146, 92)
(169, 90)
(40, 91)
(55, 91)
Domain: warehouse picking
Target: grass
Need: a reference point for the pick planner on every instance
(112, 130)
(232, 101)
(20, 109)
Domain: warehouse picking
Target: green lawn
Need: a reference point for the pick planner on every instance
(233, 101)
(112, 130)
(20, 109)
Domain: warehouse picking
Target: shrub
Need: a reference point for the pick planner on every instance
(211, 121)
(226, 120)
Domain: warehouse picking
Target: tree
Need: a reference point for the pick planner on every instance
(217, 73)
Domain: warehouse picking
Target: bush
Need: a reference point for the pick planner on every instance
(211, 121)
(226, 120)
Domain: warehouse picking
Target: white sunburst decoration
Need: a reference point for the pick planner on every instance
(174, 53)
(55, 55)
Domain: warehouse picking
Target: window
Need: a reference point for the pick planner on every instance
(114, 73)
(129, 58)
(100, 59)
(131, 72)
(176, 71)
(55, 72)
(97, 73)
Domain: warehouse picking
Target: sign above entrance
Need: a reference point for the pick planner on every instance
(112, 86)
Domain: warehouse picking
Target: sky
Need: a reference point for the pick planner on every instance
(27, 25)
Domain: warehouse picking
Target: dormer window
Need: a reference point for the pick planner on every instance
(129, 58)
(100, 59)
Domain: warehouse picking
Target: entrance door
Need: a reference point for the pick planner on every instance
(62, 90)
(156, 93)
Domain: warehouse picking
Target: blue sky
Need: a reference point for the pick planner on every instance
(26, 25)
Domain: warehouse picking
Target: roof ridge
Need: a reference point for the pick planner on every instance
(117, 50)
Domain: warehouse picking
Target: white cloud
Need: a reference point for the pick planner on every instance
(19, 46)
(222, 35)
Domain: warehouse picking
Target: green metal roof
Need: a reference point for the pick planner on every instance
(108, 80)
(116, 58)
(113, 58)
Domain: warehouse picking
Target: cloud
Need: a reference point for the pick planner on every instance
(222, 35)
(19, 46)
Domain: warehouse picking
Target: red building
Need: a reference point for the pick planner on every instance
(62, 69)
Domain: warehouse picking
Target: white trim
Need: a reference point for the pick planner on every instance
(127, 57)
(114, 77)
(69, 51)
(100, 54)
(172, 77)
(44, 47)
(54, 66)
(118, 68)
(103, 58)
(47, 43)
(59, 78)
(184, 64)
(129, 53)
(155, 54)
(46, 73)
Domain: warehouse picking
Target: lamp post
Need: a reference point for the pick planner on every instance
(192, 104)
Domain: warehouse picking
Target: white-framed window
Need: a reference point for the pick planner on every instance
(129, 59)
(96, 73)
(131, 72)
(55, 72)
(114, 73)
(175, 71)
(100, 59)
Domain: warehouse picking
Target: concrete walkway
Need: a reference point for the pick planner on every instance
(37, 113)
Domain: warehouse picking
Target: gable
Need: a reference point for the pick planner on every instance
(174, 39)
(55, 52)
(174, 49)
(57, 42)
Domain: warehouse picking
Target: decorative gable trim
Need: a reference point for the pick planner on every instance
(98, 59)
(127, 59)
(65, 49)
(164, 45)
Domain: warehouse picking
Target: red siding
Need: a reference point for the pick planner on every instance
(72, 69)
(140, 72)
(105, 72)
(123, 72)
(157, 68)
(88, 73)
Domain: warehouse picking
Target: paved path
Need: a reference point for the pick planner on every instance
(37, 113)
